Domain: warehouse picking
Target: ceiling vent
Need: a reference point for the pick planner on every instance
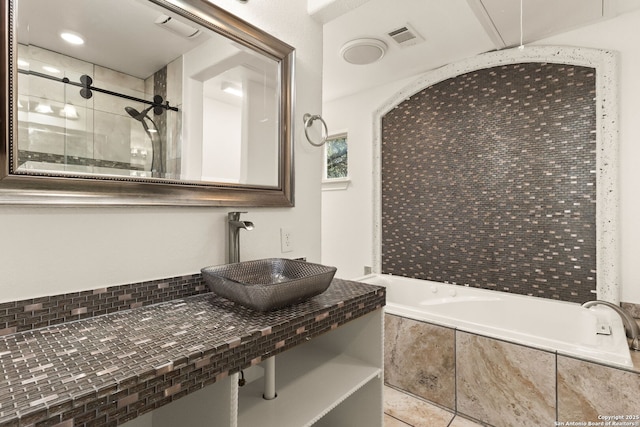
(177, 27)
(405, 36)
(363, 51)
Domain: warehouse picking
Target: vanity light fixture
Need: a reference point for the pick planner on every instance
(69, 112)
(43, 109)
(232, 89)
(363, 51)
(22, 63)
(72, 38)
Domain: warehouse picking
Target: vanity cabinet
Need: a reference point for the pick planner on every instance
(331, 380)
(177, 363)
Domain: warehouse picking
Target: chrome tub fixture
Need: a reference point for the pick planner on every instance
(631, 328)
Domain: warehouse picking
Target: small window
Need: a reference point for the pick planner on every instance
(336, 155)
(336, 165)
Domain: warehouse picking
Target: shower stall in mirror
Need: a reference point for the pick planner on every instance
(79, 117)
(141, 94)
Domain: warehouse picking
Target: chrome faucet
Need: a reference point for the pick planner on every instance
(234, 225)
(631, 328)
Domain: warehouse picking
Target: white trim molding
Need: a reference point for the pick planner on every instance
(335, 184)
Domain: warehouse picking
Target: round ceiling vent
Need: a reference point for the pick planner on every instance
(363, 51)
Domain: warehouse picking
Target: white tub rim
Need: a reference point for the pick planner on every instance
(619, 356)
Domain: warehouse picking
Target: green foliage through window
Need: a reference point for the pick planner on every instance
(336, 149)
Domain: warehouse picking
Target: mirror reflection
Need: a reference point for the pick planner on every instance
(136, 90)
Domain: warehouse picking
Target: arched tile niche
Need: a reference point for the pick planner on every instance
(604, 63)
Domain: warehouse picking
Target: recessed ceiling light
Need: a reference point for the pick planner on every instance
(72, 38)
(363, 51)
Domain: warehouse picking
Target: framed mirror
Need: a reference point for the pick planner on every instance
(152, 102)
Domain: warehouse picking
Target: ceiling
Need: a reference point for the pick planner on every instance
(134, 43)
(452, 30)
(130, 42)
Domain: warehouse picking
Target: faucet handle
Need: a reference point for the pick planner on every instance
(235, 215)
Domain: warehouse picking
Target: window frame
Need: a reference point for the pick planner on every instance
(339, 183)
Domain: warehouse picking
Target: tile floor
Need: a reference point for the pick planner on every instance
(403, 410)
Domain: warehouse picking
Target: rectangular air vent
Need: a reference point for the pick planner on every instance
(405, 36)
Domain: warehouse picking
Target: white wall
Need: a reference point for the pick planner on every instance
(222, 152)
(349, 213)
(50, 250)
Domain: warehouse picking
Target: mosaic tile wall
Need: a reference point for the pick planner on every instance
(35, 156)
(33, 313)
(488, 180)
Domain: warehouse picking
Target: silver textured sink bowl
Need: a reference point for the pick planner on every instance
(268, 284)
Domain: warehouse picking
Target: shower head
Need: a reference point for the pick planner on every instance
(157, 108)
(139, 116)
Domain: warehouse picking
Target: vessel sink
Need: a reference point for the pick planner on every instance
(268, 284)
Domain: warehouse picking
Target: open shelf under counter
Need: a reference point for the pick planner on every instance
(309, 383)
(318, 376)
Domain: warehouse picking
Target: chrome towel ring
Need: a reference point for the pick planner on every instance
(308, 122)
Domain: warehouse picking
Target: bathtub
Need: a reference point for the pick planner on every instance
(556, 326)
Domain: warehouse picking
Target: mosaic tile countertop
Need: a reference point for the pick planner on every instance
(110, 369)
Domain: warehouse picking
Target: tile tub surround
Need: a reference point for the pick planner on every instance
(24, 315)
(606, 64)
(505, 384)
(109, 369)
(488, 179)
(420, 358)
(588, 390)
